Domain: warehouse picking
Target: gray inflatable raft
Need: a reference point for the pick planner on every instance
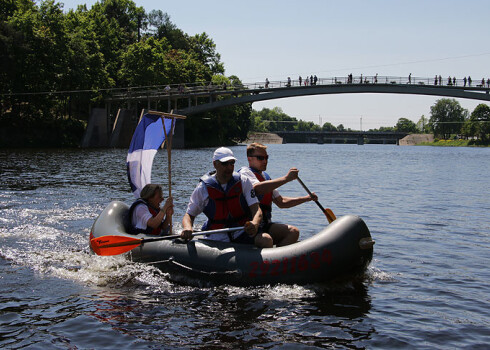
(342, 248)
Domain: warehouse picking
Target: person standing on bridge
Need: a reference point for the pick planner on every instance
(266, 83)
(300, 80)
(464, 81)
(266, 190)
(469, 80)
(410, 78)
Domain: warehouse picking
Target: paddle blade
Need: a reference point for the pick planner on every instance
(113, 245)
(330, 215)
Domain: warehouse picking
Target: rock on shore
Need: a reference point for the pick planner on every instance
(414, 139)
(263, 137)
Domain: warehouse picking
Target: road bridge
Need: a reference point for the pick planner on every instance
(359, 137)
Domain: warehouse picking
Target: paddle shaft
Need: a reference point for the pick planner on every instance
(201, 233)
(309, 192)
(328, 213)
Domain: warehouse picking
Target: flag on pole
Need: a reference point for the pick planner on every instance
(147, 139)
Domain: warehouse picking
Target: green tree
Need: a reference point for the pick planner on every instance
(478, 123)
(306, 126)
(405, 125)
(423, 125)
(447, 117)
(328, 127)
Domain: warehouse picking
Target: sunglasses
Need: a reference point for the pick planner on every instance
(230, 162)
(261, 157)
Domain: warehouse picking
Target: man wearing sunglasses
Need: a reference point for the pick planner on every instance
(228, 200)
(266, 191)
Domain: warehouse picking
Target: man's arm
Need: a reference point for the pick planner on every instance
(270, 185)
(289, 202)
(187, 223)
(252, 226)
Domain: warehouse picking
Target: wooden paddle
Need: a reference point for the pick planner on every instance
(328, 212)
(115, 245)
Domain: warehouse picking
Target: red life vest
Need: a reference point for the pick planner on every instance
(131, 228)
(226, 207)
(265, 200)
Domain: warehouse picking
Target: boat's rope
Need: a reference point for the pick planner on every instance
(234, 273)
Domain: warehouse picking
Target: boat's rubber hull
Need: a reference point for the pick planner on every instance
(337, 250)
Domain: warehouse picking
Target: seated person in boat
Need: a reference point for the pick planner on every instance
(266, 191)
(228, 200)
(145, 214)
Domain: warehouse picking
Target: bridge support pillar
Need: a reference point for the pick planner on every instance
(360, 140)
(124, 125)
(96, 134)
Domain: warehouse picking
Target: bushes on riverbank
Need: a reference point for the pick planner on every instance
(456, 143)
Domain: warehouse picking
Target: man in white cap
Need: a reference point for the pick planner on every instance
(228, 200)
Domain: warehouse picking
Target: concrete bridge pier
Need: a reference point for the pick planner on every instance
(96, 134)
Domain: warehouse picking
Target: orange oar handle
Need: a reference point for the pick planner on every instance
(115, 245)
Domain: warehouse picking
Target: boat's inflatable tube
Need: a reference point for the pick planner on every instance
(343, 248)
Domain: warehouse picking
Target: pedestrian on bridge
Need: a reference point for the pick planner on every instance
(300, 80)
(464, 81)
(469, 80)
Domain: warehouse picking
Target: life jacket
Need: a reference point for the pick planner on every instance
(132, 229)
(265, 200)
(225, 208)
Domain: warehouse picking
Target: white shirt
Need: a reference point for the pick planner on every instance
(141, 215)
(200, 198)
(249, 174)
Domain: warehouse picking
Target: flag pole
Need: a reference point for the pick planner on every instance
(168, 140)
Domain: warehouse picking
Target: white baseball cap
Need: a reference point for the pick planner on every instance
(223, 154)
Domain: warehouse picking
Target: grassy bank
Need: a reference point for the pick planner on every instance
(456, 143)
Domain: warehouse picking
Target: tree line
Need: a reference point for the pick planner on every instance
(447, 120)
(55, 65)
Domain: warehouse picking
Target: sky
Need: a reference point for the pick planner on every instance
(278, 39)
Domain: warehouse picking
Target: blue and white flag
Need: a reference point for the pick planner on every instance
(147, 139)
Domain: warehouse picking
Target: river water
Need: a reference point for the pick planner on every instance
(427, 287)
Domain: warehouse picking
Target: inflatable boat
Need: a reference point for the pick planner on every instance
(341, 249)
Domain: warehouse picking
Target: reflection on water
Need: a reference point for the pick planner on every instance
(428, 285)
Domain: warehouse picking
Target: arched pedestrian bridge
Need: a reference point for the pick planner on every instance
(190, 99)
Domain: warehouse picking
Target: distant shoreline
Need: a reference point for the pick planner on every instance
(454, 143)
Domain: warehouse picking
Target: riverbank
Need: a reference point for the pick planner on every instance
(455, 143)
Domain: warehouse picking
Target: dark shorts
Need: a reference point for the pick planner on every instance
(265, 227)
(244, 238)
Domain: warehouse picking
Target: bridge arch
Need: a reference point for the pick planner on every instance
(261, 94)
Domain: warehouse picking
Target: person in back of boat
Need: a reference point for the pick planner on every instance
(228, 200)
(266, 191)
(146, 216)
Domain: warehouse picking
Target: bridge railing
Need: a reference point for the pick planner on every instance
(206, 88)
